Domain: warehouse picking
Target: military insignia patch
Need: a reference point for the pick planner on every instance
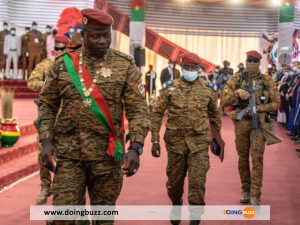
(105, 72)
(273, 92)
(61, 67)
(84, 20)
(226, 90)
(211, 85)
(141, 88)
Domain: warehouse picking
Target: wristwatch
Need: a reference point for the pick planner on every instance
(137, 148)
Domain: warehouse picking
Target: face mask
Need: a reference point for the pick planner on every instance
(291, 73)
(78, 30)
(190, 75)
(294, 68)
(286, 73)
(54, 32)
(34, 27)
(171, 65)
(252, 67)
(71, 30)
(13, 32)
(200, 71)
(298, 71)
(48, 30)
(5, 27)
(217, 71)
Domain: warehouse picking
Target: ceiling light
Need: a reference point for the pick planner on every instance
(235, 1)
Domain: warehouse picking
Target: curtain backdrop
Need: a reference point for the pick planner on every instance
(212, 48)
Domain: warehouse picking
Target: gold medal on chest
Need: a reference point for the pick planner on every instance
(87, 103)
(105, 72)
(87, 93)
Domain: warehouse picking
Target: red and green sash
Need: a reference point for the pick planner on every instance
(99, 106)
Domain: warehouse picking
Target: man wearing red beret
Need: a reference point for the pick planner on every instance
(190, 102)
(35, 83)
(81, 122)
(267, 100)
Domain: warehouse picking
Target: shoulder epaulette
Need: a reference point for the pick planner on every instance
(123, 55)
(213, 86)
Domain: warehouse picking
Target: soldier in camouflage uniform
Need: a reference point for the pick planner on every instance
(77, 37)
(35, 83)
(267, 97)
(190, 101)
(2, 37)
(74, 136)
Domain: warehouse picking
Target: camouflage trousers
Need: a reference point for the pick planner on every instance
(71, 179)
(45, 175)
(197, 165)
(244, 140)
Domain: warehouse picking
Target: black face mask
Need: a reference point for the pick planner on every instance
(59, 49)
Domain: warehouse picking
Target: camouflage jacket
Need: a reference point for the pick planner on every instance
(267, 95)
(75, 131)
(189, 107)
(2, 37)
(37, 77)
(76, 39)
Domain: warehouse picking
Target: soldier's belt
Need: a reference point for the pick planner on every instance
(13, 50)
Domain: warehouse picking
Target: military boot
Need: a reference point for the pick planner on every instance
(245, 197)
(175, 215)
(44, 194)
(195, 222)
(254, 201)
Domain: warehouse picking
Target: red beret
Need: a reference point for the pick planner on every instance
(96, 19)
(5, 23)
(48, 26)
(254, 54)
(62, 39)
(190, 58)
(34, 23)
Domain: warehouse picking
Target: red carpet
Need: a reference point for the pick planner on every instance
(281, 185)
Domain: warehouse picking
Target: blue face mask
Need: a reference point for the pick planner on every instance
(171, 65)
(286, 73)
(71, 30)
(291, 73)
(12, 32)
(298, 71)
(48, 30)
(190, 75)
(34, 27)
(5, 27)
(78, 30)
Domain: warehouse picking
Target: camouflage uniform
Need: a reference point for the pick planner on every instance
(34, 46)
(81, 141)
(76, 39)
(188, 135)
(35, 83)
(44, 44)
(244, 134)
(2, 58)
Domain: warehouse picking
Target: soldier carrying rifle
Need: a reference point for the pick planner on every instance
(253, 96)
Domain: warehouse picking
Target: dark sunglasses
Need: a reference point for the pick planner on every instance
(253, 60)
(59, 49)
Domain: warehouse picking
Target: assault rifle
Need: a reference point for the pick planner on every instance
(252, 107)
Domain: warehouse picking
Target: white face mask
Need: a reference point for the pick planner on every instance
(48, 30)
(190, 75)
(5, 27)
(12, 32)
(71, 30)
(294, 68)
(34, 27)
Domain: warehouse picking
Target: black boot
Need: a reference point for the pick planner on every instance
(175, 215)
(195, 222)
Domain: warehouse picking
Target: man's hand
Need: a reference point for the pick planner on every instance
(155, 150)
(131, 162)
(244, 95)
(48, 151)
